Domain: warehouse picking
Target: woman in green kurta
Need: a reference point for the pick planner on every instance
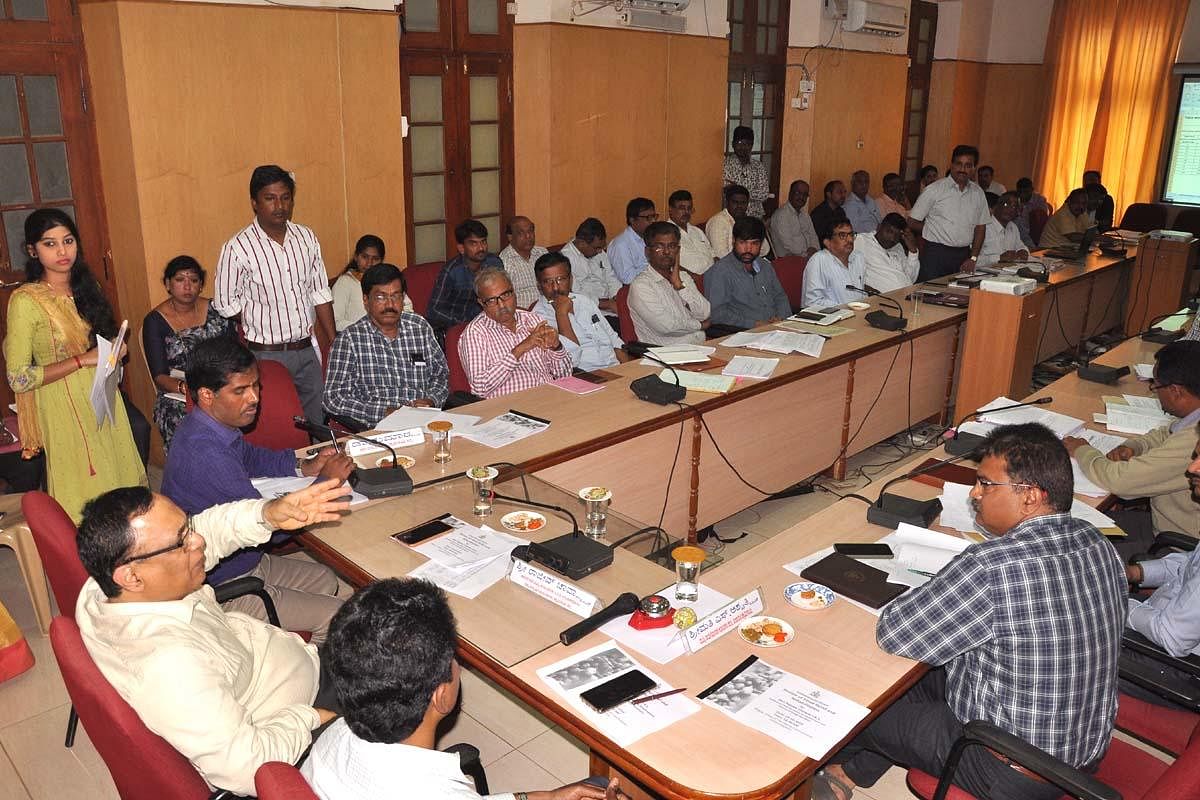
(53, 320)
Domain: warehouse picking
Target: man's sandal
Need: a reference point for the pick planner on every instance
(827, 787)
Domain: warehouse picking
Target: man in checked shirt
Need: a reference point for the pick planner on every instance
(1022, 631)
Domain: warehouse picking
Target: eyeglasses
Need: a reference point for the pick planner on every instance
(1155, 386)
(665, 248)
(651, 217)
(555, 281)
(184, 534)
(843, 235)
(498, 299)
(398, 297)
(984, 483)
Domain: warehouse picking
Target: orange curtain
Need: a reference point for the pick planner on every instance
(1108, 67)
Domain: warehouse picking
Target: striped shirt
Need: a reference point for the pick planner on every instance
(274, 287)
(486, 353)
(1029, 628)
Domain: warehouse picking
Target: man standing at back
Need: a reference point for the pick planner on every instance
(272, 275)
(952, 214)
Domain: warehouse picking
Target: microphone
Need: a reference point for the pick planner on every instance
(963, 444)
(372, 483)
(890, 509)
(1098, 373)
(879, 318)
(627, 603)
(652, 388)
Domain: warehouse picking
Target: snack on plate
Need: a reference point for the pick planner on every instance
(523, 521)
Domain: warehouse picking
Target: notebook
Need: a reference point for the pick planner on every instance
(854, 579)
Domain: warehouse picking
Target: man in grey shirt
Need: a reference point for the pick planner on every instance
(742, 288)
(792, 228)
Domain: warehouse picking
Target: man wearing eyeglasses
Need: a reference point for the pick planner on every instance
(227, 691)
(506, 349)
(1022, 631)
(388, 359)
(835, 267)
(582, 329)
(1152, 465)
(627, 252)
(1001, 237)
(664, 303)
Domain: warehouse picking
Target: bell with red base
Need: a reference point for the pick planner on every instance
(654, 612)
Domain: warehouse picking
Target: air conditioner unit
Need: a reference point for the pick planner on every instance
(665, 6)
(667, 21)
(867, 16)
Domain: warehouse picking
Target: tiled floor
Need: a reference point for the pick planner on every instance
(520, 749)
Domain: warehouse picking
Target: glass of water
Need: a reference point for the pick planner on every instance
(441, 440)
(688, 559)
(597, 499)
(481, 480)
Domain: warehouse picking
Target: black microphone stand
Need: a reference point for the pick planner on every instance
(372, 483)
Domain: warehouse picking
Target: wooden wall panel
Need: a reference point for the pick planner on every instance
(938, 141)
(695, 144)
(1012, 113)
(970, 85)
(532, 135)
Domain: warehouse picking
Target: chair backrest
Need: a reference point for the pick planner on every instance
(142, 764)
(278, 781)
(1144, 217)
(54, 535)
(790, 271)
(699, 281)
(628, 334)
(458, 376)
(274, 427)
(1188, 220)
(1037, 223)
(419, 278)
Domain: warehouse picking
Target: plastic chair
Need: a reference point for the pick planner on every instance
(628, 334)
(142, 764)
(419, 279)
(1125, 772)
(274, 427)
(1144, 217)
(278, 781)
(790, 271)
(1038, 218)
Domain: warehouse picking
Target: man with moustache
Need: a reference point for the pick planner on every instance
(664, 303)
(952, 214)
(893, 200)
(861, 209)
(830, 209)
(506, 349)
(696, 254)
(832, 269)
(791, 227)
(452, 301)
(587, 337)
(889, 255)
(1170, 617)
(388, 359)
(742, 289)
(719, 228)
(1022, 631)
(627, 252)
(210, 462)
(1002, 238)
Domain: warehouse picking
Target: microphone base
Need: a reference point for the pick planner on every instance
(572, 555)
(381, 482)
(885, 321)
(1159, 336)
(893, 509)
(1100, 374)
(654, 389)
(963, 444)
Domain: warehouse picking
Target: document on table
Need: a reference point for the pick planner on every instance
(626, 723)
(414, 417)
(1137, 420)
(679, 354)
(1144, 372)
(1104, 442)
(1141, 401)
(808, 327)
(271, 488)
(786, 707)
(664, 644)
(466, 545)
(507, 428)
(471, 580)
(783, 342)
(750, 367)
(1061, 424)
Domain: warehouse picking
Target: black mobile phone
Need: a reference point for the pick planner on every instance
(611, 694)
(856, 550)
(426, 530)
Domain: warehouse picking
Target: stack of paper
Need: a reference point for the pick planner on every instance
(698, 381)
(1144, 372)
(1134, 414)
(828, 331)
(271, 488)
(107, 375)
(413, 417)
(679, 354)
(505, 429)
(750, 367)
(466, 560)
(784, 342)
(1061, 424)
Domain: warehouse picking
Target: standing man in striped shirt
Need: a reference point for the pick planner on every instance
(271, 273)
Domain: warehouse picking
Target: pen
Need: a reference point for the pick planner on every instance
(116, 347)
(922, 572)
(658, 696)
(333, 441)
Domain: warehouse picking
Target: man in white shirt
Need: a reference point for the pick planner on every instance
(582, 329)
(791, 227)
(663, 301)
(983, 176)
(831, 270)
(719, 227)
(1030, 201)
(951, 214)
(1002, 238)
(272, 277)
(391, 654)
(591, 273)
(889, 255)
(519, 257)
(228, 691)
(627, 253)
(861, 209)
(695, 253)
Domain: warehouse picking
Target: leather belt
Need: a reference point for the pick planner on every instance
(302, 344)
(1015, 766)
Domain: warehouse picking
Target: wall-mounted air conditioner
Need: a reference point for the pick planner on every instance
(867, 16)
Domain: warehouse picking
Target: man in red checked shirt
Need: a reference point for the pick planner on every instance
(506, 349)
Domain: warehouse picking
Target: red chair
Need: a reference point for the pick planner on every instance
(458, 376)
(278, 781)
(1037, 223)
(1144, 217)
(698, 280)
(419, 278)
(142, 764)
(628, 334)
(1168, 729)
(274, 427)
(790, 271)
(1126, 771)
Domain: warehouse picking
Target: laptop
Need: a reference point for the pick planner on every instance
(1075, 253)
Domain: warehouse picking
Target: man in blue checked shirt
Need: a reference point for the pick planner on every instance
(387, 359)
(1023, 631)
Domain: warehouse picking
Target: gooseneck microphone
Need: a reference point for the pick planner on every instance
(890, 509)
(372, 483)
(880, 318)
(626, 603)
(963, 444)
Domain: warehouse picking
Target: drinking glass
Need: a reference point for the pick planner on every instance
(441, 440)
(688, 560)
(481, 478)
(597, 499)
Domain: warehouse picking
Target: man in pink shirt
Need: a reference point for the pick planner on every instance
(892, 201)
(506, 349)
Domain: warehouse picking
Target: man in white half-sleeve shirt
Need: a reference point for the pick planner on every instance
(696, 255)
(719, 228)
(271, 273)
(228, 691)
(834, 268)
(983, 176)
(591, 273)
(664, 303)
(951, 214)
(582, 329)
(1002, 238)
(889, 255)
(861, 209)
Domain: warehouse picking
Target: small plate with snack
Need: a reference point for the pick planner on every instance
(809, 596)
(766, 631)
(405, 461)
(523, 521)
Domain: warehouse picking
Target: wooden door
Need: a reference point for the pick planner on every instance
(758, 31)
(922, 29)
